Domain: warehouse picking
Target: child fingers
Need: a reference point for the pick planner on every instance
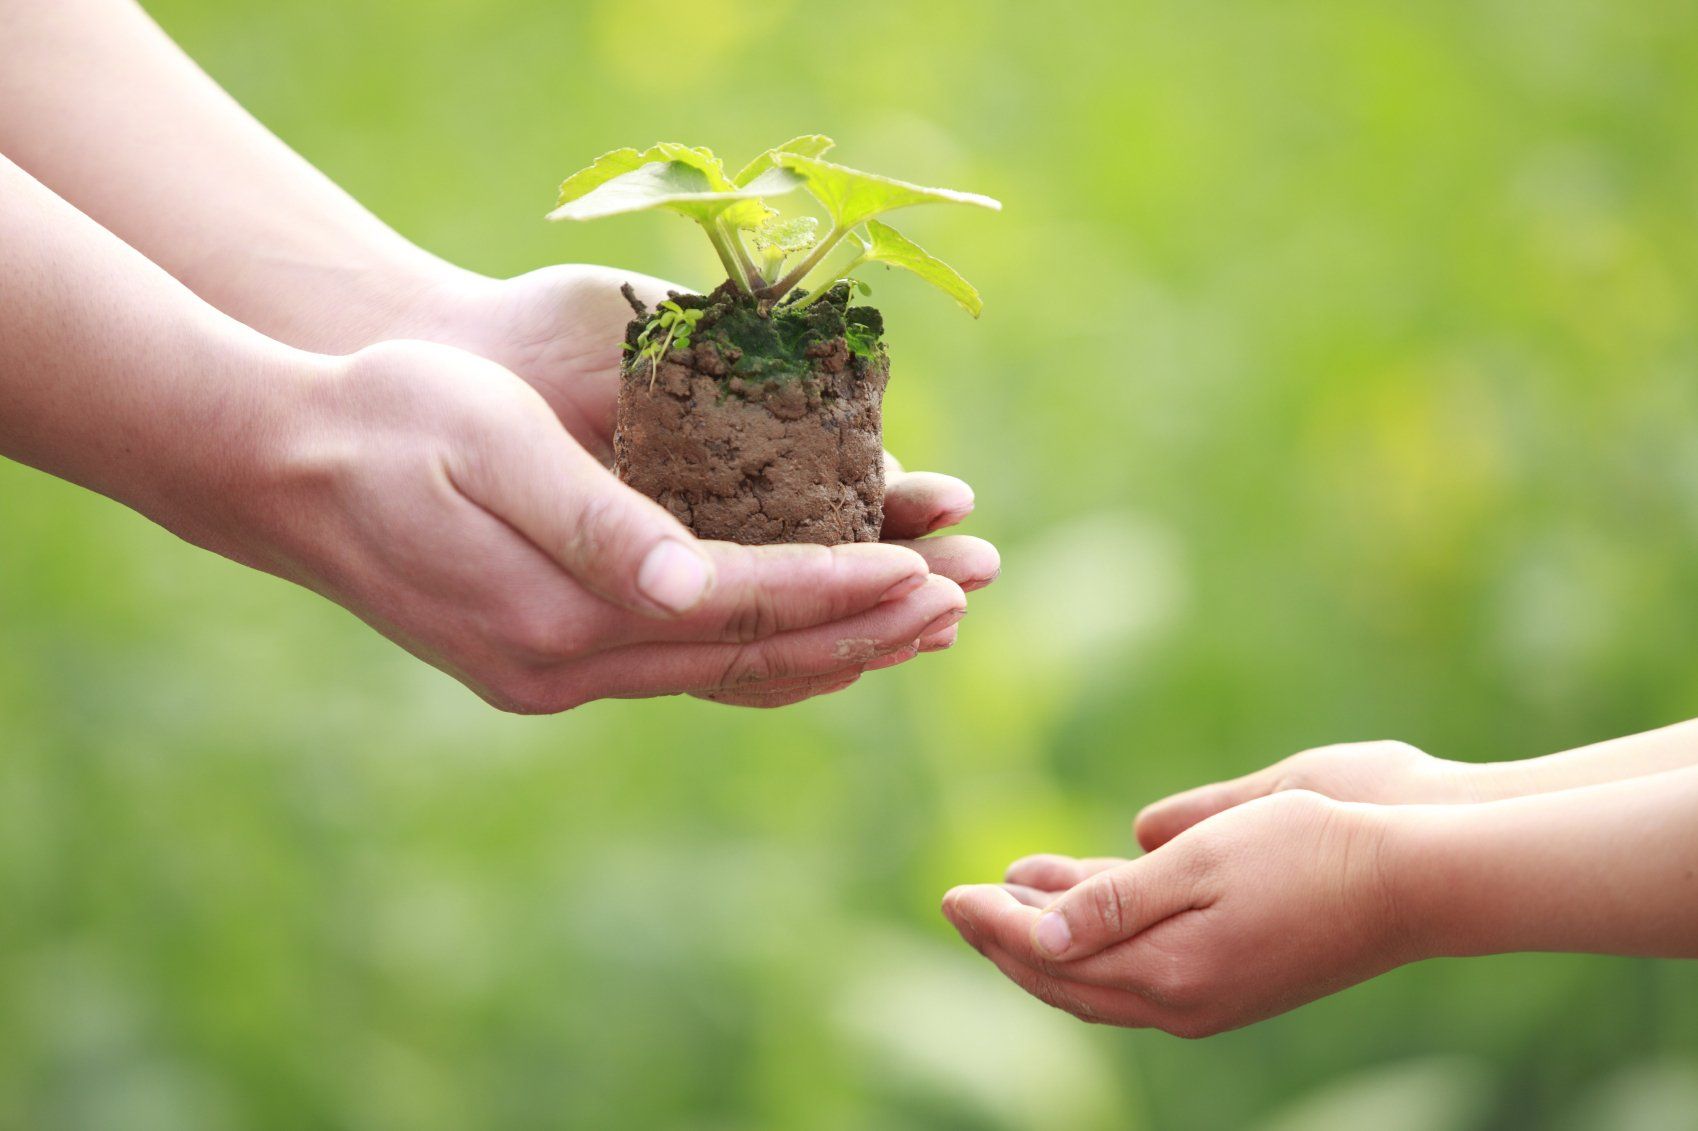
(1097, 1005)
(1146, 979)
(990, 913)
(1114, 905)
(1031, 897)
(1057, 873)
(1163, 820)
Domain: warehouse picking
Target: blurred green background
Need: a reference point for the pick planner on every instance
(1336, 382)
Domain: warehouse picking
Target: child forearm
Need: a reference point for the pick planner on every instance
(1617, 759)
(1610, 868)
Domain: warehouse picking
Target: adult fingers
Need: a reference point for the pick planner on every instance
(822, 650)
(940, 641)
(794, 692)
(1057, 873)
(919, 502)
(613, 541)
(971, 563)
(1116, 904)
(766, 590)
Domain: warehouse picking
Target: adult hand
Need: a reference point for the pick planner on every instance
(560, 329)
(437, 497)
(1248, 914)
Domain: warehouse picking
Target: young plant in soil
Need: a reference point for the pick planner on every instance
(754, 413)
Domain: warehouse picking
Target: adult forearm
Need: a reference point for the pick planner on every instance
(1609, 868)
(114, 376)
(97, 103)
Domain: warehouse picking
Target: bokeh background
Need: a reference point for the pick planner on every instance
(1336, 381)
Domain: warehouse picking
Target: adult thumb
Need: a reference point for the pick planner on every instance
(612, 540)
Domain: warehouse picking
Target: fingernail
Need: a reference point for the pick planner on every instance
(902, 588)
(941, 641)
(1052, 935)
(900, 656)
(949, 518)
(674, 577)
(942, 622)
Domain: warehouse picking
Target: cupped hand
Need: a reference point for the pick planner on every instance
(1245, 915)
(560, 328)
(436, 496)
(1383, 773)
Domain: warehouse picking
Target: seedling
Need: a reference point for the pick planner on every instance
(758, 414)
(692, 182)
(672, 321)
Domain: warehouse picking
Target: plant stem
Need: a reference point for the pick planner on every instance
(787, 284)
(837, 277)
(752, 279)
(733, 269)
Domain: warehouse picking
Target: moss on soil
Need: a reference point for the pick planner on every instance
(773, 344)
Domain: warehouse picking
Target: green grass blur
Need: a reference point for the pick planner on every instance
(1336, 381)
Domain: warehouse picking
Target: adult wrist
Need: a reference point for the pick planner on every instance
(360, 297)
(428, 299)
(234, 449)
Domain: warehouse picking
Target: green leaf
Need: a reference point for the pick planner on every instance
(620, 161)
(683, 178)
(787, 237)
(808, 145)
(853, 197)
(681, 186)
(887, 245)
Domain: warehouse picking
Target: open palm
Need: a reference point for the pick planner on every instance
(560, 328)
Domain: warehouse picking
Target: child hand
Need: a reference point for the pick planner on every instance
(1260, 909)
(1382, 773)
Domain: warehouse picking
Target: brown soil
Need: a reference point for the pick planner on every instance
(748, 449)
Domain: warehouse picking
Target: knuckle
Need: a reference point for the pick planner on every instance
(1294, 798)
(1304, 770)
(1193, 1028)
(1180, 986)
(752, 664)
(755, 617)
(1393, 753)
(1108, 903)
(529, 695)
(1052, 993)
(537, 638)
(1351, 770)
(735, 699)
(589, 536)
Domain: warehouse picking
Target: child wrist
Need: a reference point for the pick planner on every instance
(1418, 871)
